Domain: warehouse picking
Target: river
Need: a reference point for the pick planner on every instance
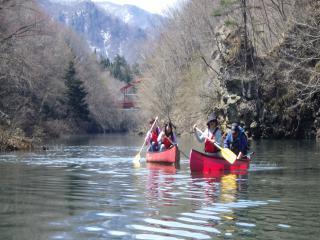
(86, 187)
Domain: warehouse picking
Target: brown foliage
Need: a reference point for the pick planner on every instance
(34, 54)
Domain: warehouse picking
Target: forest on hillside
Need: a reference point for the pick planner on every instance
(250, 61)
(51, 83)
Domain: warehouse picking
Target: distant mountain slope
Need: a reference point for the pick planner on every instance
(132, 15)
(110, 29)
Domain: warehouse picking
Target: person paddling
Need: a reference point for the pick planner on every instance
(210, 135)
(151, 139)
(237, 141)
(167, 137)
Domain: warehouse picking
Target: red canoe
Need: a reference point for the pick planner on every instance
(171, 155)
(201, 162)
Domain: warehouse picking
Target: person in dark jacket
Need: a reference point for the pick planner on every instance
(237, 141)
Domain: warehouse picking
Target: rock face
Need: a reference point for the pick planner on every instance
(110, 29)
(4, 119)
(255, 97)
(240, 97)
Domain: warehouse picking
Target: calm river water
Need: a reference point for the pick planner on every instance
(88, 188)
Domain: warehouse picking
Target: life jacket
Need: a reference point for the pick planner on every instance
(154, 136)
(209, 146)
(167, 143)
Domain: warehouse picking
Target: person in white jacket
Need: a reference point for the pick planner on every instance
(211, 135)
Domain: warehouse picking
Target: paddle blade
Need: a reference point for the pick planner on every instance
(228, 155)
(137, 158)
(136, 161)
(136, 164)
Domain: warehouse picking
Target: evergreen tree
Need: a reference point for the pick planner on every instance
(76, 94)
(105, 63)
(119, 68)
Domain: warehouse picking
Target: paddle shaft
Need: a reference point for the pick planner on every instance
(227, 154)
(174, 144)
(144, 143)
(214, 142)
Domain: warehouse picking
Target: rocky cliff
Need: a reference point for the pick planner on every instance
(261, 92)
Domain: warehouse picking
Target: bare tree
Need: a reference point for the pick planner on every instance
(34, 52)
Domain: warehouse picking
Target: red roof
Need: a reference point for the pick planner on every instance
(129, 85)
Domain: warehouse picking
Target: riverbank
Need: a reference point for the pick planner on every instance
(14, 139)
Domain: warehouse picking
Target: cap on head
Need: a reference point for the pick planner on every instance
(212, 117)
(235, 127)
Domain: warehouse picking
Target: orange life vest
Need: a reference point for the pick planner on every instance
(209, 146)
(166, 142)
(154, 137)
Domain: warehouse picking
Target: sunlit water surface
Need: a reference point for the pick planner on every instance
(88, 188)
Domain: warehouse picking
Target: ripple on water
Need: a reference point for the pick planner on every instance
(63, 236)
(180, 233)
(175, 224)
(94, 229)
(155, 237)
(206, 212)
(185, 219)
(131, 201)
(201, 216)
(118, 233)
(217, 209)
(109, 215)
(242, 224)
(284, 226)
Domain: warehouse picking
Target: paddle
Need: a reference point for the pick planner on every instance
(136, 159)
(226, 153)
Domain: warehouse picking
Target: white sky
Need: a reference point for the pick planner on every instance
(154, 6)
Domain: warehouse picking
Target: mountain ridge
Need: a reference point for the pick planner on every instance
(109, 29)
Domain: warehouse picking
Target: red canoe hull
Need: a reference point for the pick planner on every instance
(204, 163)
(171, 155)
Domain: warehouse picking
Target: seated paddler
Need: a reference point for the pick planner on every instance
(211, 135)
(152, 137)
(167, 138)
(237, 141)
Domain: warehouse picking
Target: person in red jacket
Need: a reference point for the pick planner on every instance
(167, 137)
(152, 137)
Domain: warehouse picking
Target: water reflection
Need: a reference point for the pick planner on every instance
(160, 182)
(160, 167)
(221, 187)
